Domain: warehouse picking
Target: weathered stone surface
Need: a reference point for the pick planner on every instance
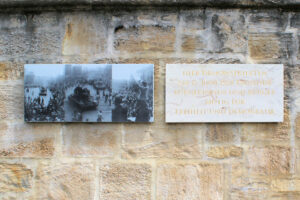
(125, 181)
(19, 139)
(221, 133)
(193, 43)
(285, 185)
(249, 194)
(163, 141)
(228, 32)
(91, 140)
(298, 55)
(11, 100)
(11, 70)
(267, 21)
(295, 20)
(25, 37)
(285, 195)
(222, 152)
(192, 24)
(244, 185)
(267, 132)
(61, 180)
(15, 178)
(85, 34)
(145, 38)
(270, 47)
(154, 18)
(269, 161)
(190, 181)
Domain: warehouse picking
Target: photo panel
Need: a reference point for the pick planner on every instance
(88, 92)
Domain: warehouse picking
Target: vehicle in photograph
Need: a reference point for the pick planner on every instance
(82, 99)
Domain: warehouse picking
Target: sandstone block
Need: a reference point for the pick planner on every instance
(249, 194)
(12, 20)
(271, 132)
(125, 181)
(267, 21)
(228, 32)
(15, 178)
(145, 39)
(285, 185)
(11, 71)
(193, 43)
(221, 133)
(295, 20)
(85, 34)
(11, 100)
(19, 139)
(152, 17)
(297, 127)
(91, 139)
(190, 181)
(269, 161)
(163, 141)
(270, 47)
(221, 152)
(60, 180)
(30, 40)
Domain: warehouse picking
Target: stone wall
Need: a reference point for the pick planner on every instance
(148, 161)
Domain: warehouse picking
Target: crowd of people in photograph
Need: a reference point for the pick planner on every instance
(133, 103)
(44, 104)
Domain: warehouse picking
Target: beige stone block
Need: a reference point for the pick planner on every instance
(267, 21)
(269, 160)
(285, 185)
(152, 17)
(221, 152)
(11, 100)
(297, 127)
(15, 178)
(145, 39)
(84, 35)
(11, 71)
(19, 139)
(267, 132)
(192, 43)
(264, 46)
(270, 47)
(221, 133)
(249, 194)
(241, 179)
(285, 196)
(61, 180)
(163, 141)
(91, 139)
(125, 181)
(190, 181)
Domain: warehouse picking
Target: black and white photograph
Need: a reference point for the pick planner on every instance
(44, 93)
(132, 91)
(88, 93)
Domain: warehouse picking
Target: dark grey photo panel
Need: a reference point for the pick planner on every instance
(88, 92)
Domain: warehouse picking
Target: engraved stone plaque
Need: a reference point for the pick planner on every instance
(224, 93)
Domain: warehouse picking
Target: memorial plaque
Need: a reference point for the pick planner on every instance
(224, 93)
(88, 93)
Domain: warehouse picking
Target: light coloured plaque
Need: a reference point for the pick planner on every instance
(224, 93)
